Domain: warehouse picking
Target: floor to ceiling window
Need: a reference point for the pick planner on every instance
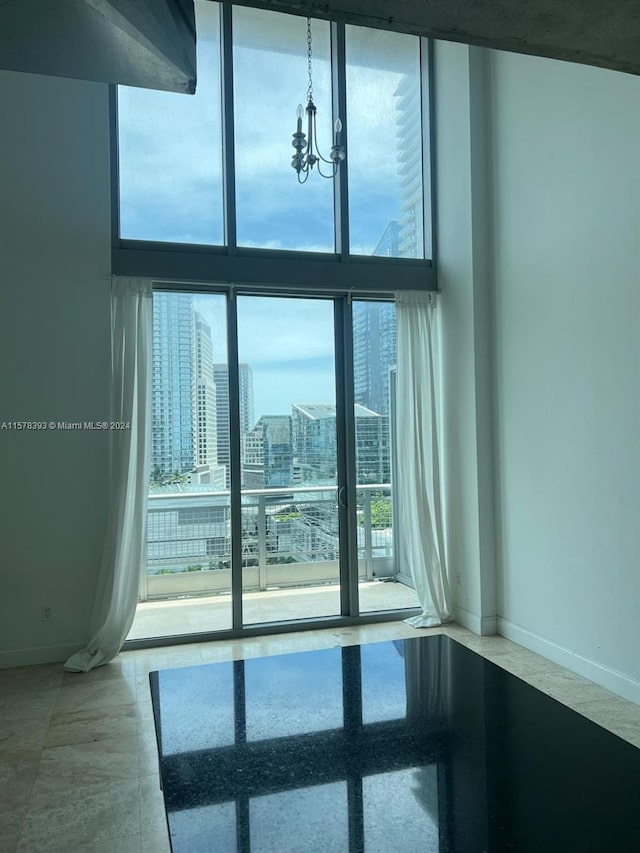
(271, 494)
(290, 530)
(383, 585)
(188, 523)
(289, 476)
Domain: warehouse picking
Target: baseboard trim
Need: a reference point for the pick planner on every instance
(484, 626)
(40, 654)
(605, 676)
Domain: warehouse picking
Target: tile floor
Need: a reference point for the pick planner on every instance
(78, 769)
(169, 617)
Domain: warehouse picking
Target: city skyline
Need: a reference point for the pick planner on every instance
(190, 402)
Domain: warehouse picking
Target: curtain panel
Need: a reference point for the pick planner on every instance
(417, 488)
(125, 544)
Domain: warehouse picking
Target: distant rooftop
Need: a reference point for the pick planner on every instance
(318, 411)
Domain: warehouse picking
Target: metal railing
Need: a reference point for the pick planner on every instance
(290, 538)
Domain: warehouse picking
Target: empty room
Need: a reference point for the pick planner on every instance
(319, 427)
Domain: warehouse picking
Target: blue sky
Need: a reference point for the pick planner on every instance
(287, 342)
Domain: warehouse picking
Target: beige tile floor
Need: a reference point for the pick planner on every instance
(78, 765)
(169, 617)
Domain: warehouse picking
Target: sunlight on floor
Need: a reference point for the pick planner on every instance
(213, 613)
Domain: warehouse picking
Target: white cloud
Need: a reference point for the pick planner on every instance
(272, 330)
(287, 342)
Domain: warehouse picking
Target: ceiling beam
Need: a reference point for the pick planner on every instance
(148, 43)
(605, 33)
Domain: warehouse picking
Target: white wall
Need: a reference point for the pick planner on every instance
(463, 277)
(565, 144)
(54, 358)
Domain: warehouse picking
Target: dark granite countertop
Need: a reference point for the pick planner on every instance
(416, 745)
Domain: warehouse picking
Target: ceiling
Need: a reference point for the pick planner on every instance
(151, 43)
(605, 33)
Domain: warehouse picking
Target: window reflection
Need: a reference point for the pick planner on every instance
(197, 713)
(277, 819)
(312, 759)
(384, 689)
(313, 695)
(195, 829)
(403, 805)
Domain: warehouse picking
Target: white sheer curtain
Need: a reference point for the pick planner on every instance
(124, 549)
(417, 482)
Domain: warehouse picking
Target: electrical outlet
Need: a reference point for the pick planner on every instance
(458, 579)
(47, 614)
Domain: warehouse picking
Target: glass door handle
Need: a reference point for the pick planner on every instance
(342, 497)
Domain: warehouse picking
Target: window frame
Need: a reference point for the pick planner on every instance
(269, 268)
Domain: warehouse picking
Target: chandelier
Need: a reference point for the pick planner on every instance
(306, 145)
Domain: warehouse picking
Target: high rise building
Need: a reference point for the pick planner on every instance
(172, 430)
(247, 414)
(221, 380)
(268, 453)
(206, 434)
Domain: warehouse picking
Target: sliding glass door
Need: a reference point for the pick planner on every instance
(289, 465)
(383, 585)
(271, 495)
(186, 583)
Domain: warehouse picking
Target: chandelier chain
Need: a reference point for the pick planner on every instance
(309, 54)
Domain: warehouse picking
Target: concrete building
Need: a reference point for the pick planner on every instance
(187, 531)
(206, 432)
(268, 453)
(315, 450)
(221, 380)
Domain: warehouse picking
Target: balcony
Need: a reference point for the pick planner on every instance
(290, 550)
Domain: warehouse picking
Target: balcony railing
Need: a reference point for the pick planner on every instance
(290, 538)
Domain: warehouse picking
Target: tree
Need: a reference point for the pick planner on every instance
(381, 514)
(171, 479)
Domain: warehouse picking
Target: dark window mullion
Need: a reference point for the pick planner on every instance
(228, 128)
(234, 462)
(428, 106)
(339, 96)
(346, 445)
